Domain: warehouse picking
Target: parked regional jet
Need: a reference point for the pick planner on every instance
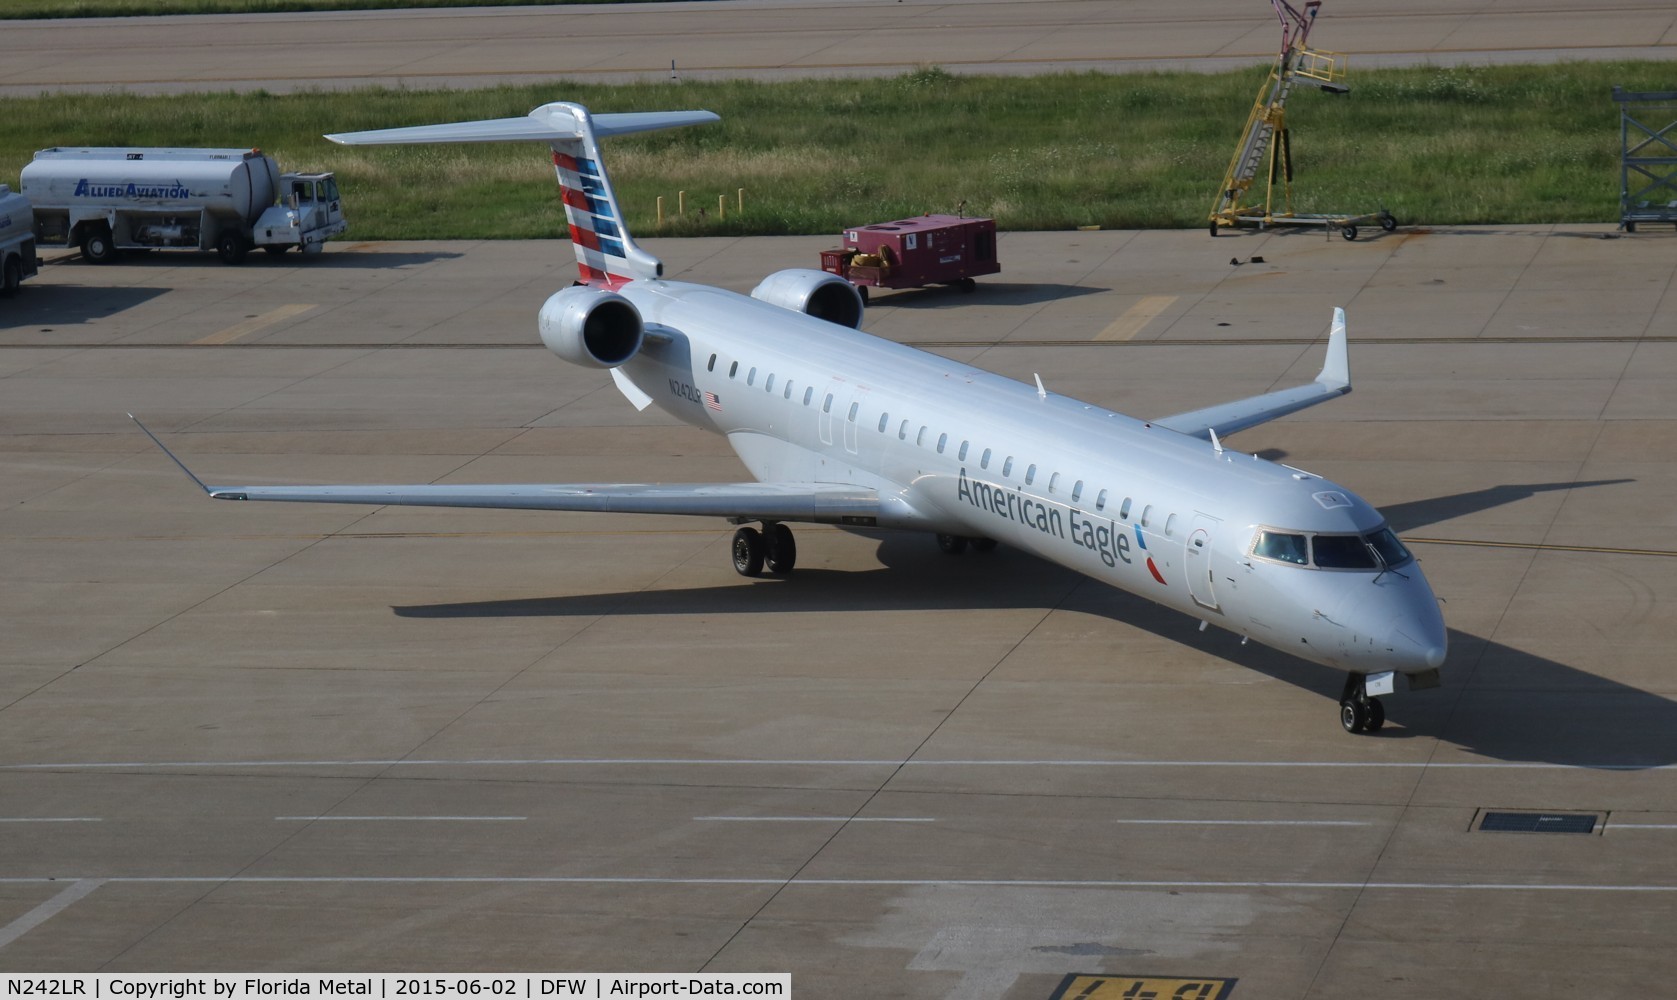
(840, 427)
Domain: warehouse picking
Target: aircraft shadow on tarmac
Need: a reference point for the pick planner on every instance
(1497, 701)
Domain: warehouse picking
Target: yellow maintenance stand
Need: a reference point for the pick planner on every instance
(1265, 143)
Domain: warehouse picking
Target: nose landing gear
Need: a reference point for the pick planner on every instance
(1358, 711)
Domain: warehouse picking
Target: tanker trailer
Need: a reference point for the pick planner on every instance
(107, 199)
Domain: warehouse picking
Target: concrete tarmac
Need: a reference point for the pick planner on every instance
(780, 39)
(247, 737)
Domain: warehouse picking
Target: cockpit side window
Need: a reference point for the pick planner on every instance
(1342, 552)
(1391, 551)
(1282, 547)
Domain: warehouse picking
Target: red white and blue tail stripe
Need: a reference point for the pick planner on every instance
(605, 252)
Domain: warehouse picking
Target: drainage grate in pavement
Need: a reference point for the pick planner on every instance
(1538, 822)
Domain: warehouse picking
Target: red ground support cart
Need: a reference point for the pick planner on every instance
(911, 253)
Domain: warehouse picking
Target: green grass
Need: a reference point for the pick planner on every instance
(1501, 145)
(22, 9)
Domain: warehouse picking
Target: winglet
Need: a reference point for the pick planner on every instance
(1336, 369)
(171, 454)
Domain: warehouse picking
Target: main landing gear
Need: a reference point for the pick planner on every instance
(1358, 711)
(773, 549)
(957, 544)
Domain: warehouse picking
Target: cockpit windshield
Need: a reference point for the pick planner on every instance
(1379, 549)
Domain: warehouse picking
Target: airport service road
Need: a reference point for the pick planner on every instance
(247, 737)
(777, 39)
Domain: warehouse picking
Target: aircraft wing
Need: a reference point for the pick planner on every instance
(1227, 418)
(818, 503)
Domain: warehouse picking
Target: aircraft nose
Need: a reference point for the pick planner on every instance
(1417, 634)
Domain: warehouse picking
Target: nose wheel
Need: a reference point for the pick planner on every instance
(1358, 712)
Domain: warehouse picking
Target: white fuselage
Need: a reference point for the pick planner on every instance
(956, 450)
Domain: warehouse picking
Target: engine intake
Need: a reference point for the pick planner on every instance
(591, 327)
(813, 293)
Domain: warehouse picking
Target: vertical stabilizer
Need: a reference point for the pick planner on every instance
(606, 254)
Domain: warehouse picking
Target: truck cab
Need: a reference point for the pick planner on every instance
(17, 241)
(308, 214)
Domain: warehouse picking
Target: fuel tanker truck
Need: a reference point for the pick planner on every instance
(17, 242)
(108, 199)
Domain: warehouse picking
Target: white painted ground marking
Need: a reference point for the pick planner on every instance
(47, 910)
(845, 882)
(797, 762)
(254, 324)
(817, 819)
(1244, 822)
(51, 819)
(400, 819)
(1641, 826)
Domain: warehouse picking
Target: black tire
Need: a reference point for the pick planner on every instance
(1348, 232)
(11, 276)
(862, 290)
(275, 249)
(747, 550)
(780, 549)
(1213, 227)
(1353, 717)
(1388, 221)
(1376, 716)
(97, 247)
(232, 247)
(1630, 227)
(968, 286)
(952, 544)
(983, 544)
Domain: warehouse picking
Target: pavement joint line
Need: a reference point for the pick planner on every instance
(1641, 826)
(254, 324)
(1135, 319)
(400, 819)
(810, 762)
(47, 910)
(817, 819)
(51, 819)
(997, 883)
(1244, 822)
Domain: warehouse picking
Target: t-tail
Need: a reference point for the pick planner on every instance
(606, 254)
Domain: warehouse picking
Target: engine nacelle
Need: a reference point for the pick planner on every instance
(591, 327)
(813, 293)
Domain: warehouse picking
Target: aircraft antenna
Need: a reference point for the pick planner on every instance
(1041, 393)
(1214, 442)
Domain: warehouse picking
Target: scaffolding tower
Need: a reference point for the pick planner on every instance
(1648, 158)
(1266, 142)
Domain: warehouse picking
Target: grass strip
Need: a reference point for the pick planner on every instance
(1493, 145)
(17, 10)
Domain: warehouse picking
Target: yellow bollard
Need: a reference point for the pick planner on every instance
(721, 207)
(660, 211)
(740, 199)
(681, 203)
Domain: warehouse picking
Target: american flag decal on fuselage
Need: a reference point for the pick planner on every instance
(596, 230)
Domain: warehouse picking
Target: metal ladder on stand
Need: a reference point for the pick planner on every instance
(1265, 141)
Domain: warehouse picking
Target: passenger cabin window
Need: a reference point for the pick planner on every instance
(1030, 474)
(1342, 552)
(963, 453)
(733, 369)
(1100, 500)
(1007, 466)
(942, 440)
(827, 404)
(788, 393)
(751, 377)
(984, 459)
(1054, 483)
(884, 418)
(920, 438)
(1282, 547)
(712, 366)
(809, 394)
(1147, 516)
(768, 384)
(902, 432)
(1077, 490)
(1170, 525)
(1124, 511)
(855, 408)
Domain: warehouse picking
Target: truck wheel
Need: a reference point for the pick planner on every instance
(275, 249)
(11, 278)
(232, 247)
(97, 247)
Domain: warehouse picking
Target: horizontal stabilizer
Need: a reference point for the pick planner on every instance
(1227, 418)
(547, 123)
